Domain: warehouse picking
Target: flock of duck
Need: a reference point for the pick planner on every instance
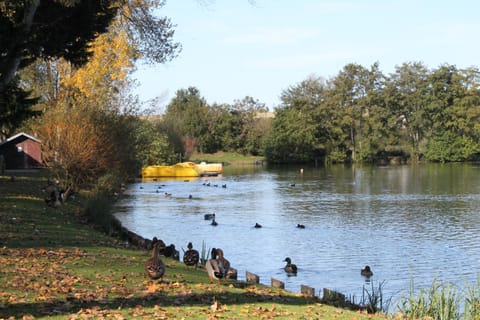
(155, 268)
(211, 216)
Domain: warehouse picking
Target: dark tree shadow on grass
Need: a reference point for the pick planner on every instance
(72, 305)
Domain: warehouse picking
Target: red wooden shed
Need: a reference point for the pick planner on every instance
(21, 151)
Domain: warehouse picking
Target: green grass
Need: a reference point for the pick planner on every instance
(228, 158)
(55, 266)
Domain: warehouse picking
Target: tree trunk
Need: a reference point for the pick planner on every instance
(14, 51)
(352, 138)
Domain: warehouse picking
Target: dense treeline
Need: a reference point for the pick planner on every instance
(193, 125)
(362, 115)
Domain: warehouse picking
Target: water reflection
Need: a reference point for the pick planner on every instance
(405, 222)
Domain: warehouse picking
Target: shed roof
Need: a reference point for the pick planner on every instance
(18, 135)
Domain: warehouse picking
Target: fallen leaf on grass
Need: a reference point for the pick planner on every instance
(154, 287)
(96, 313)
(216, 306)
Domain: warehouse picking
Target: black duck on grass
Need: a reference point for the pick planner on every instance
(191, 256)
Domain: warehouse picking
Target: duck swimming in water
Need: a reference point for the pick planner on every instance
(209, 216)
(366, 272)
(290, 268)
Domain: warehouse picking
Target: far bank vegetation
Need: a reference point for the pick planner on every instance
(95, 131)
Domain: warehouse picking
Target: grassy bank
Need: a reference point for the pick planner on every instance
(228, 158)
(55, 265)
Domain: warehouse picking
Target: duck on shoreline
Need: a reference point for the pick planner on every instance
(191, 256)
(170, 252)
(154, 267)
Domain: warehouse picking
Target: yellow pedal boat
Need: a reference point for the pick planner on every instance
(183, 169)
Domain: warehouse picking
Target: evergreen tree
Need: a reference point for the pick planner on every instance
(16, 108)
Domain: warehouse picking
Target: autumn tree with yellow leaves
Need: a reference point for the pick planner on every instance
(90, 127)
(75, 127)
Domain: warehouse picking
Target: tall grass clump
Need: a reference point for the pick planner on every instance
(99, 203)
(472, 302)
(440, 302)
(373, 299)
(204, 254)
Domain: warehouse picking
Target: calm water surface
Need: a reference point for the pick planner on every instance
(408, 223)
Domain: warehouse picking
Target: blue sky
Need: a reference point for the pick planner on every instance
(235, 48)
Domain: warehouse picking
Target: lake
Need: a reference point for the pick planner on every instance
(409, 223)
